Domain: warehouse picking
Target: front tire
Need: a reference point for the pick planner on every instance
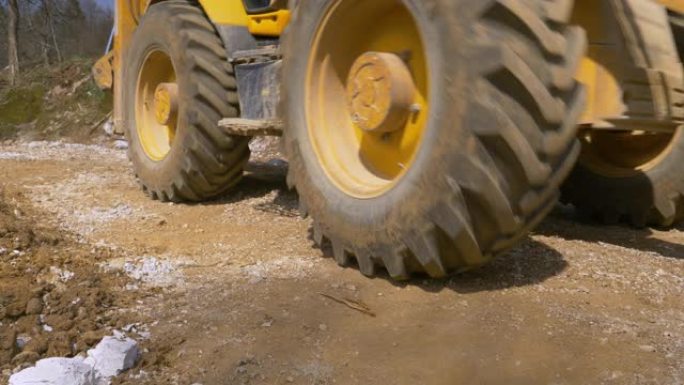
(498, 137)
(184, 156)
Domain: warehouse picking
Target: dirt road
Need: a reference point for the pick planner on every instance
(232, 291)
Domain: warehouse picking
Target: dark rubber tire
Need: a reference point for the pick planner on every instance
(499, 142)
(203, 161)
(653, 91)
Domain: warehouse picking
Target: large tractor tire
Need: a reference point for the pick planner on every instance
(429, 136)
(178, 84)
(636, 175)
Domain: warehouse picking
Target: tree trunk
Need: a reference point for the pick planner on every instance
(45, 53)
(12, 30)
(51, 24)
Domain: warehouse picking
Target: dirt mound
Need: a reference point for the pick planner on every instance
(54, 299)
(56, 102)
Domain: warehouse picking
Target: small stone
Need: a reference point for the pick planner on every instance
(108, 128)
(113, 356)
(289, 379)
(23, 340)
(351, 287)
(120, 144)
(277, 163)
(34, 306)
(323, 327)
(647, 348)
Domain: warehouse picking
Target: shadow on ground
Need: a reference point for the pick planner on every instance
(565, 223)
(528, 264)
(261, 180)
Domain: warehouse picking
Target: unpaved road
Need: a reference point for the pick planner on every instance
(234, 294)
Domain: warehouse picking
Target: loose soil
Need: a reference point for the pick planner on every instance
(233, 292)
(54, 300)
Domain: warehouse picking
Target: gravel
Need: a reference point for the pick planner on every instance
(43, 150)
(153, 271)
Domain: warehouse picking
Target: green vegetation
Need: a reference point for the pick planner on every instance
(48, 103)
(22, 105)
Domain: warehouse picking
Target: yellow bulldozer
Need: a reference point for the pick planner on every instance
(423, 136)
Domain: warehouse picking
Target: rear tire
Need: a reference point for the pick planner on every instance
(637, 178)
(499, 140)
(200, 161)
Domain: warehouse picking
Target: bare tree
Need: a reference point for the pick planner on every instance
(44, 32)
(47, 4)
(12, 30)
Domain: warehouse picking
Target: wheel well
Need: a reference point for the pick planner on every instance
(677, 23)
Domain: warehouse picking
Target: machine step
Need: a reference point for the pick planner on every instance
(252, 127)
(631, 124)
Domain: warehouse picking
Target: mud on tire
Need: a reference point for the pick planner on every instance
(203, 161)
(499, 141)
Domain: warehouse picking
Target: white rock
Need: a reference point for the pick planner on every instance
(22, 340)
(120, 144)
(113, 356)
(61, 275)
(108, 127)
(56, 371)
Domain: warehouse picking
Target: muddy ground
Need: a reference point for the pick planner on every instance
(232, 291)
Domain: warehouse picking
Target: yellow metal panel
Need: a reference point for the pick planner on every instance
(269, 24)
(604, 95)
(127, 13)
(675, 5)
(225, 11)
(103, 72)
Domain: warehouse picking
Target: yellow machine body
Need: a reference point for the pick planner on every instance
(603, 89)
(605, 54)
(108, 71)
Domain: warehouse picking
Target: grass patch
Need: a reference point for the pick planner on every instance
(22, 105)
(54, 102)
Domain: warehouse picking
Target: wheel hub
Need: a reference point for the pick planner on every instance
(380, 92)
(366, 101)
(166, 103)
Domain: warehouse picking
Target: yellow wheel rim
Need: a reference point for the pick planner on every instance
(156, 105)
(624, 153)
(367, 95)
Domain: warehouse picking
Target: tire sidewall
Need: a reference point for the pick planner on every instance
(155, 32)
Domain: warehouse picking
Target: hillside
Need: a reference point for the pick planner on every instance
(56, 102)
